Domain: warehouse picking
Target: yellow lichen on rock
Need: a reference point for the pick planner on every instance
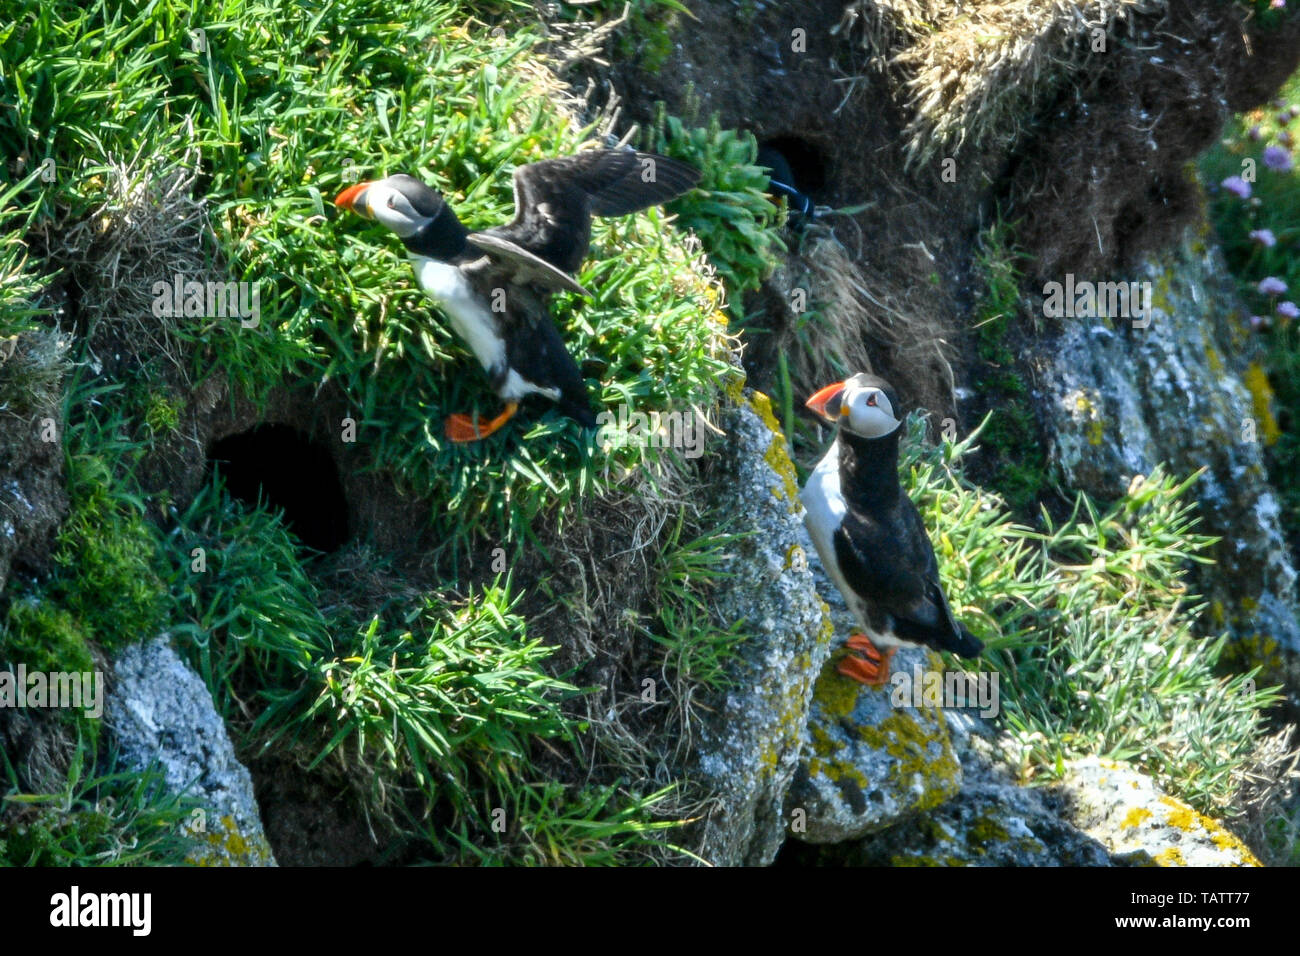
(1170, 857)
(1136, 816)
(1184, 818)
(226, 845)
(777, 456)
(1261, 397)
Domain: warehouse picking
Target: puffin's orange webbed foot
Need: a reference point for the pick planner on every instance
(468, 428)
(872, 668)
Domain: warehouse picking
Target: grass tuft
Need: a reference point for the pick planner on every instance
(103, 816)
(1090, 626)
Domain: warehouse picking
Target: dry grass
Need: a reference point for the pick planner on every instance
(570, 43)
(149, 228)
(32, 367)
(885, 25)
(1269, 796)
(603, 589)
(47, 744)
(974, 71)
(878, 320)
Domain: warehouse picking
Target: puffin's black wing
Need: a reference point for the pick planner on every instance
(535, 350)
(523, 265)
(556, 198)
(539, 356)
(895, 570)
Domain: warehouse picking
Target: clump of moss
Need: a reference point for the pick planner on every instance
(44, 637)
(105, 588)
(162, 414)
(107, 576)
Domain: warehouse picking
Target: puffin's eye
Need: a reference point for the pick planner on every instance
(392, 204)
(871, 399)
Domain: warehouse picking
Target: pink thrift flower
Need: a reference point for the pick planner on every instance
(1237, 186)
(1277, 159)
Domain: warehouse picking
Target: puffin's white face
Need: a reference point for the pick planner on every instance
(389, 201)
(390, 207)
(861, 405)
(867, 411)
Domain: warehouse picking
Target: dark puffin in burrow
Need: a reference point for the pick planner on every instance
(494, 285)
(870, 537)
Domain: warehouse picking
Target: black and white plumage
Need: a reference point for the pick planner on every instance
(494, 285)
(870, 536)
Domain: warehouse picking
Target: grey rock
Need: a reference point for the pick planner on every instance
(1127, 812)
(993, 821)
(1186, 391)
(750, 749)
(158, 709)
(1100, 814)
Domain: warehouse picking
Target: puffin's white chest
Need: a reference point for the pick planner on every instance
(470, 319)
(824, 510)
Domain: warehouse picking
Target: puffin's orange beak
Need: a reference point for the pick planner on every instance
(823, 398)
(348, 199)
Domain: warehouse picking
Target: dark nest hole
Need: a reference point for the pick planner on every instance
(284, 468)
(796, 162)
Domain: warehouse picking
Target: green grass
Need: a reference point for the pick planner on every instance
(1274, 205)
(20, 281)
(1091, 627)
(245, 612)
(547, 824)
(730, 212)
(281, 104)
(435, 708)
(439, 703)
(103, 815)
(698, 649)
(454, 699)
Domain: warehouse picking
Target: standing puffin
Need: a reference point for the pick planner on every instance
(494, 285)
(870, 536)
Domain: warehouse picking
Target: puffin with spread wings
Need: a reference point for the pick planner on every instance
(494, 285)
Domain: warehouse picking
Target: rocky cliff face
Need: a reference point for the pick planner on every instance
(1093, 166)
(1186, 389)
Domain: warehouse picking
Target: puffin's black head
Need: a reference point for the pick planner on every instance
(409, 208)
(865, 405)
